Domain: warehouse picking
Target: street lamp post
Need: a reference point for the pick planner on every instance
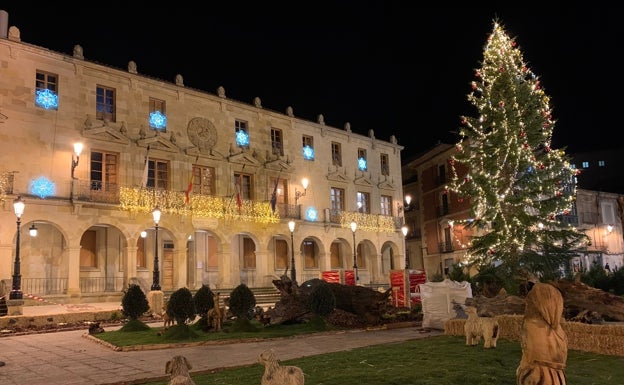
(355, 268)
(404, 231)
(293, 271)
(156, 276)
(16, 292)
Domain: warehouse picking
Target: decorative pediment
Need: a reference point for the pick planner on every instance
(106, 131)
(206, 153)
(385, 185)
(363, 181)
(158, 143)
(278, 164)
(337, 176)
(244, 158)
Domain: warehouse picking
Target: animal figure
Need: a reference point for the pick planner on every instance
(215, 315)
(275, 374)
(477, 327)
(167, 319)
(95, 328)
(178, 367)
(543, 341)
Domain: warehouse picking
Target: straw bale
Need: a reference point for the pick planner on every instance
(600, 339)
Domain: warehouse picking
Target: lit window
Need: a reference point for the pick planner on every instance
(585, 164)
(241, 133)
(157, 115)
(46, 93)
(361, 161)
(601, 163)
(308, 147)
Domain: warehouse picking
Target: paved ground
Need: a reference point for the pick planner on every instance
(72, 358)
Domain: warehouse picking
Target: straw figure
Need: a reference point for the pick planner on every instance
(543, 340)
(215, 315)
(274, 374)
(179, 368)
(477, 327)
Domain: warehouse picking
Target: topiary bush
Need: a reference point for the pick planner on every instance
(181, 306)
(204, 301)
(134, 302)
(242, 303)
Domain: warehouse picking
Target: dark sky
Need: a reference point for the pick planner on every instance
(399, 70)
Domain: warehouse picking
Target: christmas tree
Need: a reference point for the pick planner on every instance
(520, 189)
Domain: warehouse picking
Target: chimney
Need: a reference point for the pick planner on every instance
(4, 24)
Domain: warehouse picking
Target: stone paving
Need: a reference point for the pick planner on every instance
(74, 358)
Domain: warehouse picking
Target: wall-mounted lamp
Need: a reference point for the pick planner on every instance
(408, 200)
(299, 194)
(75, 158)
(32, 230)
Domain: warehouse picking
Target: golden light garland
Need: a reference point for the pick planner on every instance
(200, 206)
(368, 222)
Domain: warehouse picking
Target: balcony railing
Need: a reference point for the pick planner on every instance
(445, 247)
(366, 222)
(50, 286)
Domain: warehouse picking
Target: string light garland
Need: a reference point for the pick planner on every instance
(141, 200)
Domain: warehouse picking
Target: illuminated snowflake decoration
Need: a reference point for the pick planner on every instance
(158, 120)
(362, 164)
(308, 153)
(311, 214)
(46, 99)
(42, 187)
(242, 138)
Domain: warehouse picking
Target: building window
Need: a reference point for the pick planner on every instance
(141, 257)
(385, 164)
(241, 134)
(335, 257)
(601, 163)
(362, 163)
(243, 185)
(46, 90)
(277, 144)
(249, 253)
(158, 174)
(157, 115)
(441, 174)
(363, 202)
(105, 103)
(386, 205)
(585, 164)
(310, 261)
(104, 171)
(88, 256)
(308, 147)
(336, 152)
(337, 198)
(281, 254)
(279, 186)
(203, 180)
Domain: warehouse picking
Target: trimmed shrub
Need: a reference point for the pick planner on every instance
(242, 302)
(181, 306)
(204, 300)
(134, 302)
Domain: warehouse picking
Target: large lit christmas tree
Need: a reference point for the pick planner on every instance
(520, 189)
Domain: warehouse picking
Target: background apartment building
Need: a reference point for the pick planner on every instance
(438, 239)
(227, 177)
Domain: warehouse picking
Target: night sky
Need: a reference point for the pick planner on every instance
(398, 70)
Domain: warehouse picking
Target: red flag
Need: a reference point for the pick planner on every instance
(189, 188)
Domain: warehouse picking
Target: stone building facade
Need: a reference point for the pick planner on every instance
(212, 166)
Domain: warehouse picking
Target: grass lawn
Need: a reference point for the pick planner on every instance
(441, 360)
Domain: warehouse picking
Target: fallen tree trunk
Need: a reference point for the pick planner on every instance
(577, 297)
(366, 304)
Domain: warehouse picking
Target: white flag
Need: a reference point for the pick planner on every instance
(144, 179)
